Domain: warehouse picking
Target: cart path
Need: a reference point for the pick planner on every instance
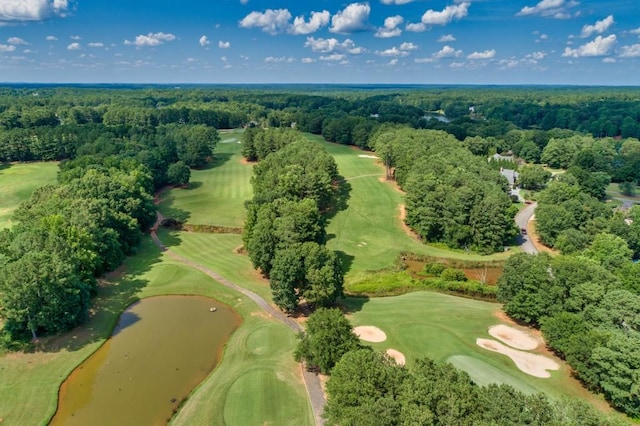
(311, 380)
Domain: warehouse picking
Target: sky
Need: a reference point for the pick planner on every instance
(577, 42)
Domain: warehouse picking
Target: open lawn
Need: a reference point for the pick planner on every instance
(369, 233)
(17, 182)
(216, 194)
(613, 193)
(445, 328)
(257, 364)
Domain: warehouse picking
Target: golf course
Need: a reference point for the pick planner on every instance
(257, 380)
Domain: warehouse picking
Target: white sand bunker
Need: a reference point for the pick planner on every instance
(513, 337)
(367, 156)
(369, 333)
(535, 365)
(397, 356)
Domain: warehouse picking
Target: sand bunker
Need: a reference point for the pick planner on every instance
(369, 333)
(535, 365)
(513, 337)
(367, 156)
(397, 355)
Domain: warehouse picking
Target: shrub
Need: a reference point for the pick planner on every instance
(452, 274)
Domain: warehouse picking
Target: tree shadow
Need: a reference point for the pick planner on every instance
(4, 166)
(170, 237)
(341, 198)
(193, 185)
(169, 210)
(218, 159)
(352, 304)
(345, 259)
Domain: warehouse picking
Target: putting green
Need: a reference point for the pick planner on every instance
(483, 373)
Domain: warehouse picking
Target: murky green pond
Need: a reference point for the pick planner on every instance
(160, 350)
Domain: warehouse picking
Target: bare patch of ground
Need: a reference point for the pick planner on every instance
(532, 364)
(402, 215)
(513, 337)
(369, 333)
(397, 356)
(367, 156)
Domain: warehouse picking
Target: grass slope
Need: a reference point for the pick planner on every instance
(17, 182)
(445, 328)
(217, 193)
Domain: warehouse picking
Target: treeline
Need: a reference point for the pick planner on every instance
(284, 234)
(452, 197)
(588, 308)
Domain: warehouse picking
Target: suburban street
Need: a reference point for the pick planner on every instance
(522, 219)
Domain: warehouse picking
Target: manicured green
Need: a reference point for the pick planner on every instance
(369, 234)
(216, 193)
(445, 328)
(17, 182)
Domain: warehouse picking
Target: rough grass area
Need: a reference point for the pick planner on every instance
(17, 182)
(368, 233)
(216, 194)
(445, 328)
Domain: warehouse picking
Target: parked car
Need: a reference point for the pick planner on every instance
(523, 231)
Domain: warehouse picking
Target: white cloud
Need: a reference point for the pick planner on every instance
(51, 38)
(307, 60)
(600, 46)
(632, 51)
(224, 44)
(448, 14)
(447, 38)
(150, 40)
(447, 52)
(33, 10)
(609, 60)
(398, 2)
(74, 46)
(636, 31)
(423, 60)
(393, 62)
(334, 57)
(328, 45)
(244, 1)
(5, 48)
(16, 41)
(353, 18)
(408, 46)
(270, 21)
(416, 28)
(98, 44)
(75, 37)
(390, 28)
(394, 51)
(487, 54)
(599, 27)
(275, 60)
(558, 9)
(316, 21)
(204, 41)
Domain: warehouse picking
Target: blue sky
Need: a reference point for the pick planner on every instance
(583, 42)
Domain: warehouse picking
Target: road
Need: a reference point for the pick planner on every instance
(522, 219)
(311, 380)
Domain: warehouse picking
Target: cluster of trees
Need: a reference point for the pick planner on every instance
(588, 308)
(285, 229)
(66, 236)
(452, 196)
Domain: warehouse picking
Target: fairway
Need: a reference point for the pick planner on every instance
(445, 328)
(369, 233)
(216, 194)
(17, 182)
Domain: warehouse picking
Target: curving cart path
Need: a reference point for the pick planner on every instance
(311, 380)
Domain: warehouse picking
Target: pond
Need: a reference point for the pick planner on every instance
(160, 350)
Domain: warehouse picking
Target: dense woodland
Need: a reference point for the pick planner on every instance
(118, 145)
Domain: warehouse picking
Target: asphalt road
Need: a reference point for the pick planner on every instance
(522, 219)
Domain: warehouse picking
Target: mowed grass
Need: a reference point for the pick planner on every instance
(30, 381)
(445, 328)
(17, 183)
(369, 232)
(216, 194)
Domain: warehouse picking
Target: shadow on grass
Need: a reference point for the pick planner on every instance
(341, 198)
(218, 159)
(345, 259)
(169, 237)
(4, 166)
(116, 292)
(170, 211)
(352, 304)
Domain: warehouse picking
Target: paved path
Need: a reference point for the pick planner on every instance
(522, 219)
(311, 380)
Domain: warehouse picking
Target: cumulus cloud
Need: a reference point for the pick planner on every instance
(558, 9)
(150, 40)
(599, 27)
(51, 38)
(316, 21)
(600, 46)
(270, 21)
(328, 45)
(16, 41)
(353, 18)
(334, 57)
(33, 10)
(393, 62)
(394, 51)
(98, 44)
(307, 60)
(447, 52)
(6, 48)
(408, 46)
(224, 44)
(398, 2)
(447, 38)
(632, 51)
(636, 31)
(281, 59)
(74, 46)
(416, 27)
(390, 28)
(487, 54)
(446, 15)
(204, 41)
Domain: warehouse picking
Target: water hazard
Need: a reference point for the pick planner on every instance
(160, 350)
